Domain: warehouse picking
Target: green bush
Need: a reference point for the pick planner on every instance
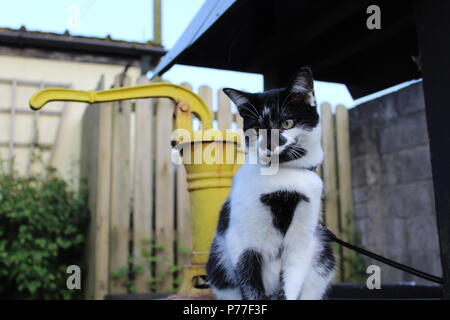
(42, 232)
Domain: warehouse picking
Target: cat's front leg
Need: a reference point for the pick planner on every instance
(249, 274)
(294, 271)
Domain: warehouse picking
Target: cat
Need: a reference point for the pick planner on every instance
(269, 242)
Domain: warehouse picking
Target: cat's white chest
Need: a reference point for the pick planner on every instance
(250, 183)
(252, 221)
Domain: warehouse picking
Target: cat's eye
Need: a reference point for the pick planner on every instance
(287, 124)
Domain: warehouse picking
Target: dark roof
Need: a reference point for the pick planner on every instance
(276, 37)
(66, 42)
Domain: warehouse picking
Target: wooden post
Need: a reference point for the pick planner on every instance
(120, 189)
(157, 34)
(224, 115)
(143, 187)
(345, 181)
(164, 215)
(433, 28)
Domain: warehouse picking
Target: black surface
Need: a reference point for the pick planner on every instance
(338, 291)
(434, 30)
(277, 37)
(387, 291)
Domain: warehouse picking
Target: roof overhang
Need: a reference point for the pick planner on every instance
(276, 37)
(61, 42)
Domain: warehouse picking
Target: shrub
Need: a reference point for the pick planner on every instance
(42, 231)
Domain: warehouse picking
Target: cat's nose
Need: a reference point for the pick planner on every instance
(273, 142)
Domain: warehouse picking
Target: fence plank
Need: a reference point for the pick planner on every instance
(329, 175)
(120, 190)
(164, 206)
(239, 121)
(143, 187)
(345, 180)
(205, 93)
(103, 196)
(329, 169)
(90, 148)
(89, 171)
(224, 115)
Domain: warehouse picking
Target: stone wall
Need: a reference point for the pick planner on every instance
(392, 182)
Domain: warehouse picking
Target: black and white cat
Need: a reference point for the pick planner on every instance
(269, 242)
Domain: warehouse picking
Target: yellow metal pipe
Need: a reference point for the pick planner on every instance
(189, 102)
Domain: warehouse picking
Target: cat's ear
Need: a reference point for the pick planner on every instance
(302, 85)
(239, 98)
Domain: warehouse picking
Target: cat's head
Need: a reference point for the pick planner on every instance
(292, 111)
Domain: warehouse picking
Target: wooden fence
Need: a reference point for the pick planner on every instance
(140, 233)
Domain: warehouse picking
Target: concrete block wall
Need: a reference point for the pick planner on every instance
(392, 182)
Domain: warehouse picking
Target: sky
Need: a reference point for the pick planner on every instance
(132, 20)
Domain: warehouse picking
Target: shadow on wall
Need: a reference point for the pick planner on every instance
(392, 182)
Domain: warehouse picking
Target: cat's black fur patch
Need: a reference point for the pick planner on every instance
(281, 295)
(216, 271)
(224, 218)
(249, 273)
(325, 261)
(282, 205)
(289, 156)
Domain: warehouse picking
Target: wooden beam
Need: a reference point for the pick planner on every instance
(12, 121)
(34, 139)
(43, 146)
(31, 112)
(58, 138)
(34, 83)
(433, 28)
